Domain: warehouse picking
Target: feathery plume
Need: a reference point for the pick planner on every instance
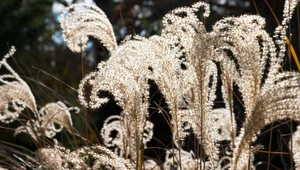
(81, 20)
(47, 119)
(15, 94)
(183, 64)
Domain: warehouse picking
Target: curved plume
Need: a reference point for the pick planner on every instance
(15, 94)
(51, 114)
(187, 34)
(127, 81)
(280, 101)
(15, 97)
(243, 42)
(288, 10)
(181, 25)
(81, 20)
(183, 63)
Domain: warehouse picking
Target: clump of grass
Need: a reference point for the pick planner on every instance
(186, 63)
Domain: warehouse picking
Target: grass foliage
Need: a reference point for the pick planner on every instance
(237, 63)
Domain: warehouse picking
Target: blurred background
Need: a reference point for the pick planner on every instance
(50, 68)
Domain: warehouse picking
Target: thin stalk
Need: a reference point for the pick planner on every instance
(173, 157)
(291, 124)
(139, 165)
(196, 151)
(138, 137)
(178, 141)
(230, 102)
(249, 157)
(255, 6)
(201, 128)
(293, 52)
(202, 116)
(142, 149)
(270, 144)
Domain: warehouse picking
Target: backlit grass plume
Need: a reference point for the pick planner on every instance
(185, 62)
(182, 62)
(15, 94)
